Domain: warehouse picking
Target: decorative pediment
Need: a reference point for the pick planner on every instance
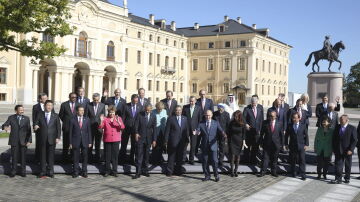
(4, 61)
(158, 76)
(139, 74)
(181, 78)
(263, 81)
(150, 75)
(269, 81)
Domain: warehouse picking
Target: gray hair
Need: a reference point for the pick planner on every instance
(332, 105)
(96, 95)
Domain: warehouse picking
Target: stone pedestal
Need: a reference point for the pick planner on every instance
(330, 83)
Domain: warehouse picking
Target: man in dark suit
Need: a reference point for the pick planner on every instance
(281, 114)
(297, 110)
(223, 118)
(81, 99)
(209, 130)
(145, 125)
(358, 145)
(80, 140)
(94, 111)
(271, 141)
(37, 109)
(253, 118)
(176, 133)
(132, 110)
(142, 100)
(20, 138)
(283, 105)
(298, 144)
(257, 97)
(48, 124)
(67, 112)
(170, 103)
(344, 142)
(332, 114)
(204, 103)
(192, 112)
(118, 102)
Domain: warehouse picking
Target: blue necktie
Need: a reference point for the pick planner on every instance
(179, 121)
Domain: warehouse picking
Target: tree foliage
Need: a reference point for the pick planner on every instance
(19, 17)
(352, 86)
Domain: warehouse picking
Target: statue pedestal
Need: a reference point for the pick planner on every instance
(330, 83)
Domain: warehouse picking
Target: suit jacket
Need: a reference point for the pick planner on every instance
(175, 134)
(334, 119)
(293, 111)
(86, 101)
(170, 111)
(19, 133)
(223, 119)
(36, 110)
(145, 128)
(281, 116)
(255, 123)
(210, 136)
(209, 105)
(270, 139)
(146, 101)
(344, 142)
(358, 136)
(120, 108)
(299, 139)
(319, 111)
(130, 120)
(193, 122)
(80, 136)
(285, 106)
(90, 112)
(49, 132)
(66, 115)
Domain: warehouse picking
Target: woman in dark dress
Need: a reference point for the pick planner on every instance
(236, 141)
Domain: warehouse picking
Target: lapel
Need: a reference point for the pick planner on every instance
(252, 112)
(51, 118)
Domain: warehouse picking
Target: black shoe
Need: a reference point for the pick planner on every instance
(115, 174)
(136, 176)
(168, 175)
(236, 174)
(51, 175)
(191, 162)
(220, 164)
(293, 175)
(85, 175)
(217, 179)
(206, 179)
(274, 174)
(335, 182)
(358, 178)
(23, 174)
(318, 177)
(12, 175)
(261, 174)
(146, 174)
(347, 181)
(325, 178)
(232, 174)
(75, 175)
(106, 174)
(303, 178)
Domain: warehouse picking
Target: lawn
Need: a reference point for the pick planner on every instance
(4, 135)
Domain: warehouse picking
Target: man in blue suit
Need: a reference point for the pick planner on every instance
(176, 134)
(204, 103)
(80, 139)
(298, 144)
(208, 131)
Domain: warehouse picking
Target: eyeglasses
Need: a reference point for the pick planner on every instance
(73, 97)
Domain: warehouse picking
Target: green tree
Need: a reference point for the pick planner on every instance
(352, 86)
(48, 17)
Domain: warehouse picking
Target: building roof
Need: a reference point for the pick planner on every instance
(231, 27)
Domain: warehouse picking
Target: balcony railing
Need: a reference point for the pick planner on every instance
(168, 70)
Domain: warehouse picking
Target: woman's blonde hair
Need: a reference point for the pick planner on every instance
(160, 105)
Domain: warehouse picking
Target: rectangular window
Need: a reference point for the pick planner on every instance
(157, 85)
(280, 70)
(167, 41)
(139, 57)
(210, 64)
(274, 68)
(182, 63)
(181, 100)
(243, 43)
(157, 100)
(150, 58)
(211, 45)
(241, 64)
(285, 70)
(227, 63)
(226, 88)
(2, 96)
(139, 35)
(158, 60)
(137, 84)
(274, 90)
(262, 89)
(194, 87)
(2, 75)
(150, 37)
(126, 54)
(125, 83)
(269, 67)
(210, 88)
(196, 45)
(268, 90)
(166, 85)
(227, 44)
(174, 62)
(158, 39)
(149, 85)
(263, 66)
(48, 38)
(257, 64)
(174, 87)
(195, 64)
(181, 87)
(256, 89)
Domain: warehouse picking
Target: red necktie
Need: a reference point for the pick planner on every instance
(272, 127)
(80, 122)
(254, 110)
(72, 107)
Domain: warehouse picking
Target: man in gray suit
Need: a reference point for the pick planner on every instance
(208, 131)
(332, 114)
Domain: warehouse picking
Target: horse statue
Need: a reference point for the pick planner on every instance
(322, 55)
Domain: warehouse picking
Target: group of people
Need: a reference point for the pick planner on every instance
(82, 125)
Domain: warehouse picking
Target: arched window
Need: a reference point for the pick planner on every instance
(110, 54)
(82, 44)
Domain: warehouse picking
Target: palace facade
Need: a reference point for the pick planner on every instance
(112, 48)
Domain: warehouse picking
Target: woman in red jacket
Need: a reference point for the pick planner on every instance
(113, 127)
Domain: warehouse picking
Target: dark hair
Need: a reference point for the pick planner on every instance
(147, 105)
(271, 111)
(41, 95)
(72, 93)
(134, 96)
(275, 103)
(295, 114)
(169, 91)
(17, 107)
(325, 118)
(141, 89)
(238, 117)
(111, 108)
(255, 96)
(79, 106)
(298, 100)
(48, 101)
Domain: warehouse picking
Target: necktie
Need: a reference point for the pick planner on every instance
(142, 101)
(80, 122)
(254, 111)
(203, 104)
(81, 100)
(208, 125)
(72, 107)
(116, 102)
(95, 108)
(19, 119)
(330, 115)
(169, 103)
(47, 118)
(299, 112)
(296, 128)
(147, 118)
(272, 127)
(342, 130)
(133, 110)
(191, 111)
(179, 121)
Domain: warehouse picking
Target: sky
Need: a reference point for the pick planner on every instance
(302, 24)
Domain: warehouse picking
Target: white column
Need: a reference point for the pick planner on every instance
(90, 85)
(50, 80)
(66, 79)
(117, 82)
(71, 82)
(35, 84)
(110, 87)
(41, 82)
(57, 87)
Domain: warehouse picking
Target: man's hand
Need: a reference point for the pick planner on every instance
(70, 145)
(305, 148)
(247, 127)
(105, 93)
(102, 117)
(137, 137)
(90, 145)
(154, 144)
(28, 144)
(36, 127)
(349, 153)
(7, 129)
(245, 145)
(57, 140)
(286, 148)
(337, 99)
(224, 135)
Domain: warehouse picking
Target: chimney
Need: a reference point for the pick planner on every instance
(238, 20)
(254, 26)
(173, 25)
(125, 3)
(163, 24)
(196, 26)
(226, 18)
(152, 19)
